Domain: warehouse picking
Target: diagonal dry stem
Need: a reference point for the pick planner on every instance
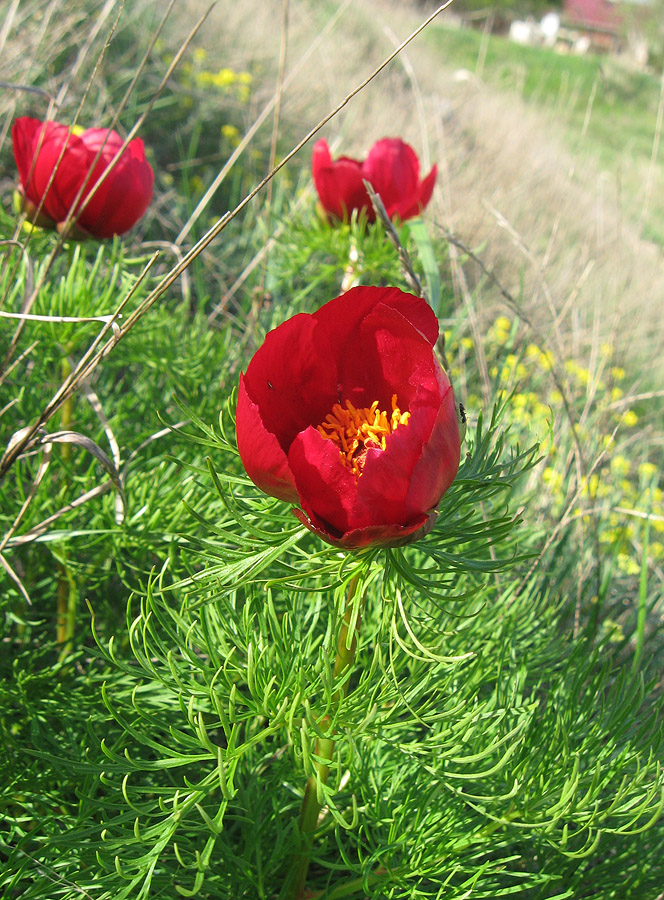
(91, 361)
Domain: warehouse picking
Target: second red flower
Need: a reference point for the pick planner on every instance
(391, 167)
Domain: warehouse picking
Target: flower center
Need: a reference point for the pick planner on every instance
(355, 431)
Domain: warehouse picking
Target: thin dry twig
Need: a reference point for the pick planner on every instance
(265, 112)
(171, 247)
(257, 259)
(417, 93)
(34, 317)
(28, 350)
(19, 442)
(582, 472)
(275, 130)
(538, 266)
(95, 403)
(12, 574)
(41, 471)
(27, 88)
(565, 519)
(407, 267)
(149, 440)
(516, 307)
(40, 529)
(7, 24)
(473, 320)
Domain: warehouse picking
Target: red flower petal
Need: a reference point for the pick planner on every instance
(383, 486)
(41, 147)
(339, 183)
(334, 499)
(396, 359)
(393, 169)
(440, 456)
(130, 178)
(390, 355)
(263, 458)
(24, 131)
(408, 369)
(41, 151)
(327, 488)
(293, 378)
(410, 207)
(427, 186)
(340, 317)
(383, 535)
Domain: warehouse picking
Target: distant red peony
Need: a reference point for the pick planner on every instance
(348, 414)
(115, 206)
(393, 170)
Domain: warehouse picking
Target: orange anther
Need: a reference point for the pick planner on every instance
(355, 431)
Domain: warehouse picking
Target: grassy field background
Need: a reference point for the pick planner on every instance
(548, 161)
(543, 251)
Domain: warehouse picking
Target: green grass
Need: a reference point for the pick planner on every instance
(501, 732)
(620, 104)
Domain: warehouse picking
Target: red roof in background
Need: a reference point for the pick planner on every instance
(592, 14)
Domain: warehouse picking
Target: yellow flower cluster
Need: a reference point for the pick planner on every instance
(543, 358)
(511, 372)
(229, 81)
(500, 332)
(226, 80)
(231, 133)
(582, 375)
(621, 493)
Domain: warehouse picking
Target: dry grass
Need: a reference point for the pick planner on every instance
(553, 227)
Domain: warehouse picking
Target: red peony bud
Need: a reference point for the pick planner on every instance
(348, 414)
(393, 170)
(114, 207)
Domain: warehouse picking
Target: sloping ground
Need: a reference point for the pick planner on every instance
(551, 222)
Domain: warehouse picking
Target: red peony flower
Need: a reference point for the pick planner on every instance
(120, 200)
(348, 414)
(393, 170)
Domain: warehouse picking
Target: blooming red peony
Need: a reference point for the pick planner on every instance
(348, 414)
(393, 170)
(115, 206)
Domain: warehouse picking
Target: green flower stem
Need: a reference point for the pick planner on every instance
(66, 592)
(63, 605)
(67, 409)
(323, 751)
(642, 609)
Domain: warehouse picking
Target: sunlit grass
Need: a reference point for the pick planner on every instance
(606, 110)
(504, 746)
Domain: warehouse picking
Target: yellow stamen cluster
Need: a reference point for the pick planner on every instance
(357, 430)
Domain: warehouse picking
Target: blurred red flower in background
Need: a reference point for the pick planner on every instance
(393, 170)
(118, 203)
(348, 414)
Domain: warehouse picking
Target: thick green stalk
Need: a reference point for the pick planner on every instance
(63, 605)
(642, 609)
(66, 594)
(323, 753)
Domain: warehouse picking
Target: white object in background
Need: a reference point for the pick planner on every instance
(549, 26)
